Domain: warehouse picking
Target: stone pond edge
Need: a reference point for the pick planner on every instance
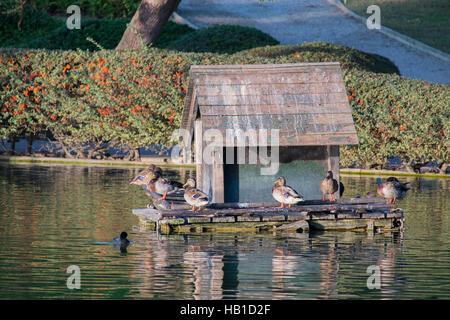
(167, 163)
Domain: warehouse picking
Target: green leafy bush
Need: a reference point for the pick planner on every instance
(42, 31)
(223, 39)
(135, 98)
(107, 33)
(325, 52)
(82, 97)
(92, 8)
(396, 116)
(35, 26)
(172, 32)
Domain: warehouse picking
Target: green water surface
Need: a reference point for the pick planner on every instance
(52, 215)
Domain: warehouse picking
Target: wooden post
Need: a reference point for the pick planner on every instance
(198, 138)
(218, 179)
(329, 158)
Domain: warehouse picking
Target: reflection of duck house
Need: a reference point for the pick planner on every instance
(306, 102)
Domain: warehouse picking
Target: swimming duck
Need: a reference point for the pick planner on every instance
(329, 186)
(122, 239)
(195, 197)
(285, 194)
(148, 172)
(164, 186)
(391, 189)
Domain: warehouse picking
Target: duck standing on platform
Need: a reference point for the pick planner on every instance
(146, 173)
(195, 197)
(285, 194)
(150, 181)
(164, 186)
(329, 186)
(402, 185)
(391, 189)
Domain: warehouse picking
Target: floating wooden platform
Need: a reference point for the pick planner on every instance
(359, 214)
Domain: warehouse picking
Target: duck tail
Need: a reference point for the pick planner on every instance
(177, 184)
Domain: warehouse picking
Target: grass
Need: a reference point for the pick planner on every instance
(93, 8)
(223, 39)
(427, 21)
(43, 31)
(84, 162)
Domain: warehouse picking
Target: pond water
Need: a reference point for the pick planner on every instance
(54, 216)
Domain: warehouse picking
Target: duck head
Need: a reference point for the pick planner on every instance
(123, 235)
(378, 181)
(329, 175)
(281, 181)
(155, 175)
(189, 183)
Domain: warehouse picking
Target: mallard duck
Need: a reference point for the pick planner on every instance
(195, 197)
(285, 194)
(163, 186)
(391, 189)
(150, 181)
(148, 172)
(402, 185)
(329, 186)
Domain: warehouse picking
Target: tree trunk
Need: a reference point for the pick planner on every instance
(133, 155)
(444, 167)
(29, 145)
(147, 23)
(136, 155)
(13, 145)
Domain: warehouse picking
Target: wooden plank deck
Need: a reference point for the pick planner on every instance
(370, 214)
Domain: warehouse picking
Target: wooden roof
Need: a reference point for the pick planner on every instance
(307, 102)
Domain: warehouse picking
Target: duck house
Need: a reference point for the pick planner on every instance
(253, 123)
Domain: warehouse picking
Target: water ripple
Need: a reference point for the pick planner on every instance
(52, 217)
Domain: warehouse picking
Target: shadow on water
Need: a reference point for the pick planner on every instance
(56, 216)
